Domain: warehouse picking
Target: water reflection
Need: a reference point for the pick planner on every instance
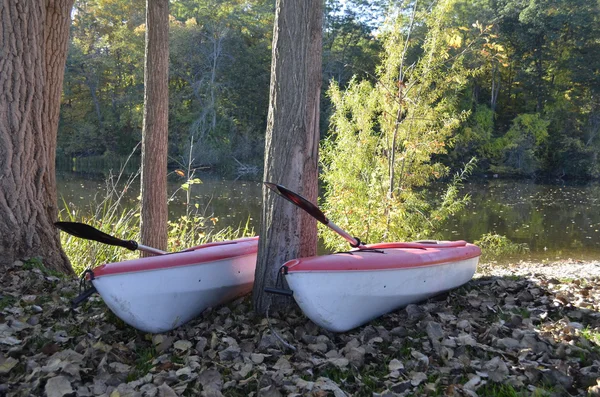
(554, 221)
(233, 203)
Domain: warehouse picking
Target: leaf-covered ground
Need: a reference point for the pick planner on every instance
(527, 330)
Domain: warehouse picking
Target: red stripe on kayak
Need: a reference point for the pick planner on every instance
(199, 255)
(394, 256)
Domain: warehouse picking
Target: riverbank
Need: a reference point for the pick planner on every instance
(517, 330)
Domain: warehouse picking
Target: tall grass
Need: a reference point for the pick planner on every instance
(112, 216)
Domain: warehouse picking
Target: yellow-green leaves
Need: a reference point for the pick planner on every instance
(194, 181)
(384, 136)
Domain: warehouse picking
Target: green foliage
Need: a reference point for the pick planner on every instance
(496, 246)
(143, 362)
(220, 68)
(503, 390)
(385, 136)
(7, 301)
(209, 49)
(475, 137)
(523, 144)
(349, 45)
(539, 57)
(195, 230)
(547, 70)
(592, 335)
(37, 263)
(107, 215)
(194, 181)
(103, 86)
(113, 217)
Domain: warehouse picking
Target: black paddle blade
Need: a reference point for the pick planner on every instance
(299, 201)
(91, 233)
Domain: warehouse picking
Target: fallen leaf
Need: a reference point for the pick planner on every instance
(58, 386)
(165, 390)
(395, 365)
(182, 345)
(10, 341)
(6, 364)
(416, 378)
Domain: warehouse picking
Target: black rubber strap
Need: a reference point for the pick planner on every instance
(358, 243)
(279, 291)
(82, 297)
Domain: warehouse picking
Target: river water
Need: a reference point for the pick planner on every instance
(556, 221)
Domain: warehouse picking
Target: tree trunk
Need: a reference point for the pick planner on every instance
(539, 69)
(154, 213)
(33, 49)
(495, 87)
(292, 141)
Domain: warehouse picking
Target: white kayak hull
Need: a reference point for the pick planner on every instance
(163, 292)
(345, 297)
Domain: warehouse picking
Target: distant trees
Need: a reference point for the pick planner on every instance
(349, 46)
(542, 59)
(102, 107)
(220, 78)
(218, 83)
(34, 43)
(550, 70)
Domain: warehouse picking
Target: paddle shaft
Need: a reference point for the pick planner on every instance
(151, 250)
(353, 241)
(313, 211)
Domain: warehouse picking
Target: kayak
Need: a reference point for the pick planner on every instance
(159, 293)
(342, 291)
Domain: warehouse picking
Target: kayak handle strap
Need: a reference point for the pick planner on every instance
(280, 288)
(84, 293)
(82, 297)
(279, 291)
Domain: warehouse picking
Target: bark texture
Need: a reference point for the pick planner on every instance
(33, 48)
(154, 213)
(292, 141)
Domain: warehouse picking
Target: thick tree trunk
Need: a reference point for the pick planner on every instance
(33, 48)
(292, 141)
(154, 213)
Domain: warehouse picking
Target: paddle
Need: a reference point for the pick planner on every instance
(313, 211)
(91, 233)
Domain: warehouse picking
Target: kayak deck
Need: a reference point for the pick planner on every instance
(192, 256)
(387, 256)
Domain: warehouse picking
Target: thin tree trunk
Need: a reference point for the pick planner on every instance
(92, 83)
(216, 37)
(154, 213)
(399, 117)
(33, 49)
(539, 68)
(495, 87)
(292, 140)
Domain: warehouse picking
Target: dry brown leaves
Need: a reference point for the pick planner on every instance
(528, 334)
